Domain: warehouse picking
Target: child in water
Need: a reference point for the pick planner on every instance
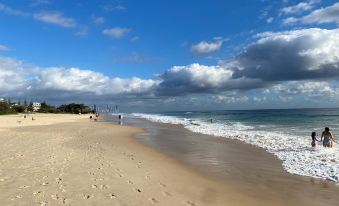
(314, 139)
(328, 138)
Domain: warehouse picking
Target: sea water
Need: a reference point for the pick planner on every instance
(284, 133)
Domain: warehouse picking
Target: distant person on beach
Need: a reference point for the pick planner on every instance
(328, 138)
(120, 117)
(314, 139)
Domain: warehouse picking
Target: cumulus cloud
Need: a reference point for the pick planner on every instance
(204, 47)
(116, 32)
(3, 48)
(229, 99)
(300, 7)
(328, 14)
(196, 78)
(308, 54)
(19, 78)
(269, 63)
(290, 55)
(308, 88)
(56, 18)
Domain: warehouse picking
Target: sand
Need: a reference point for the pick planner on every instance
(69, 160)
(46, 162)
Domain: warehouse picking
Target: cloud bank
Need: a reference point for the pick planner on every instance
(310, 56)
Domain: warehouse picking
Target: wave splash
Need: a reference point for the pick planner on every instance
(297, 155)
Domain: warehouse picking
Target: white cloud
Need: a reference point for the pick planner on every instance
(19, 78)
(328, 14)
(40, 2)
(112, 7)
(7, 10)
(116, 32)
(300, 7)
(270, 20)
(97, 20)
(56, 18)
(3, 48)
(135, 39)
(204, 47)
(229, 99)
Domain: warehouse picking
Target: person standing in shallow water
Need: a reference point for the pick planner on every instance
(314, 139)
(328, 138)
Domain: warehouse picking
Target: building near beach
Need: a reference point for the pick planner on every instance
(36, 106)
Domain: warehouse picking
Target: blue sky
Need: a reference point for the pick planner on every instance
(170, 52)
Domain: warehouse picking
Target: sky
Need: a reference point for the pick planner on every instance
(171, 55)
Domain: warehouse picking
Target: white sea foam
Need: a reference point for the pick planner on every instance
(296, 153)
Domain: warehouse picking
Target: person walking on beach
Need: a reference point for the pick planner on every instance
(328, 138)
(120, 117)
(314, 139)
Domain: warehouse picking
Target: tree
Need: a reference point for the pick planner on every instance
(74, 108)
(5, 108)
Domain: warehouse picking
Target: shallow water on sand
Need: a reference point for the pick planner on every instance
(284, 133)
(247, 168)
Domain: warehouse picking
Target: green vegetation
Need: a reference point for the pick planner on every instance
(5, 108)
(74, 108)
(8, 107)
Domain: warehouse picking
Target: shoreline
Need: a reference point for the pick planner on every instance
(98, 163)
(259, 172)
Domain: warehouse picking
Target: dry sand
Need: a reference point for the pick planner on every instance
(94, 163)
(68, 160)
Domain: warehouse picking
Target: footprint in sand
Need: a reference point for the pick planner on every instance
(94, 186)
(190, 203)
(104, 187)
(37, 193)
(138, 190)
(119, 175)
(87, 196)
(153, 200)
(162, 184)
(58, 180)
(118, 170)
(44, 183)
(58, 198)
(43, 203)
(112, 196)
(148, 177)
(130, 182)
(167, 194)
(4, 179)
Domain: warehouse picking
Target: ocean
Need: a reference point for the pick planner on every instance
(284, 133)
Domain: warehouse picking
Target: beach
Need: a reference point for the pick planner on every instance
(69, 160)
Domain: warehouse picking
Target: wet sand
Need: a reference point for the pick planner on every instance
(79, 162)
(251, 170)
(96, 163)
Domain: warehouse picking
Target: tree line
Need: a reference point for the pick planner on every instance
(8, 107)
